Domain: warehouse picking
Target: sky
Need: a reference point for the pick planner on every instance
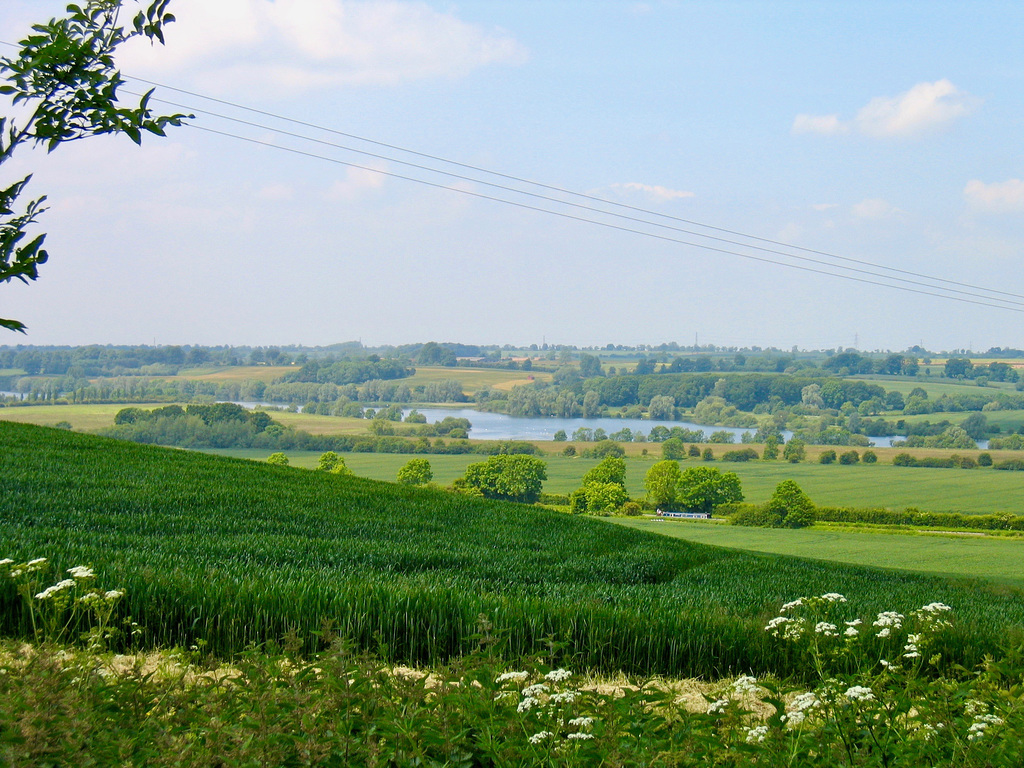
(878, 136)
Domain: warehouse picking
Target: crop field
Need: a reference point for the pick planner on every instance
(473, 379)
(934, 387)
(265, 373)
(80, 417)
(1008, 421)
(235, 552)
(953, 555)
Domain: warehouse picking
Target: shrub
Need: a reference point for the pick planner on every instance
(849, 457)
(794, 451)
(631, 509)
(694, 452)
(569, 450)
(278, 458)
(744, 454)
(827, 457)
(673, 449)
(604, 448)
(904, 460)
(708, 455)
(985, 459)
(792, 506)
(416, 472)
(869, 457)
(1014, 465)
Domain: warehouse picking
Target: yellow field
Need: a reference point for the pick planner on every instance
(473, 379)
(80, 417)
(265, 373)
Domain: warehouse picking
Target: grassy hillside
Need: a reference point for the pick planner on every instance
(234, 552)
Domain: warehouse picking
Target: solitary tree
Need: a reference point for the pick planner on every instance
(64, 81)
(704, 488)
(278, 458)
(416, 472)
(790, 507)
(513, 477)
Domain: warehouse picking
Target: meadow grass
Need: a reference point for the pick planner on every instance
(953, 555)
(81, 417)
(232, 552)
(975, 491)
(239, 373)
(933, 386)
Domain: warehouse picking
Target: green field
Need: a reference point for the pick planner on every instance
(235, 552)
(978, 491)
(474, 379)
(953, 555)
(933, 386)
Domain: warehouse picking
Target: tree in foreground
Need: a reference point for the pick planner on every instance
(64, 82)
(511, 477)
(415, 472)
(701, 489)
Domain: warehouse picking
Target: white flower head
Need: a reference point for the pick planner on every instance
(582, 736)
(535, 690)
(516, 676)
(581, 722)
(859, 693)
(757, 734)
(527, 704)
(718, 707)
(826, 629)
(81, 572)
(568, 697)
(834, 597)
(744, 685)
(537, 738)
(558, 675)
(792, 604)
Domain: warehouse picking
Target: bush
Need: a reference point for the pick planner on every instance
(904, 460)
(745, 454)
(985, 459)
(694, 452)
(416, 472)
(827, 457)
(278, 458)
(1014, 465)
(673, 449)
(631, 509)
(792, 506)
(708, 455)
(849, 457)
(869, 457)
(569, 450)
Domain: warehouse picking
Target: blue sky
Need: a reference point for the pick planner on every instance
(886, 132)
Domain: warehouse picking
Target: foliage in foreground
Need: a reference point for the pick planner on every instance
(274, 706)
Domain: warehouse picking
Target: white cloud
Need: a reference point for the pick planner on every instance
(925, 107)
(287, 45)
(873, 208)
(356, 184)
(999, 197)
(652, 192)
(824, 124)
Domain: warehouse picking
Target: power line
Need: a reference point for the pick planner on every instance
(606, 224)
(588, 207)
(593, 198)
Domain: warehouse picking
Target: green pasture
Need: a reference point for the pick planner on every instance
(1008, 421)
(265, 373)
(977, 491)
(933, 386)
(80, 417)
(951, 555)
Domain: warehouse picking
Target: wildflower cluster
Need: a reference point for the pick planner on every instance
(548, 707)
(71, 603)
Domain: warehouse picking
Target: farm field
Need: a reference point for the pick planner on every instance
(978, 491)
(953, 555)
(933, 386)
(80, 417)
(264, 373)
(474, 379)
(235, 552)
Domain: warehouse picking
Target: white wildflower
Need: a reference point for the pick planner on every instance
(859, 693)
(888, 621)
(579, 736)
(795, 629)
(568, 697)
(558, 675)
(774, 624)
(6, 561)
(805, 701)
(973, 707)
(934, 608)
(826, 629)
(981, 724)
(537, 738)
(81, 572)
(36, 564)
(718, 707)
(60, 586)
(757, 735)
(114, 594)
(502, 695)
(744, 685)
(581, 722)
(527, 704)
(834, 597)
(792, 604)
(517, 676)
(535, 689)
(851, 632)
